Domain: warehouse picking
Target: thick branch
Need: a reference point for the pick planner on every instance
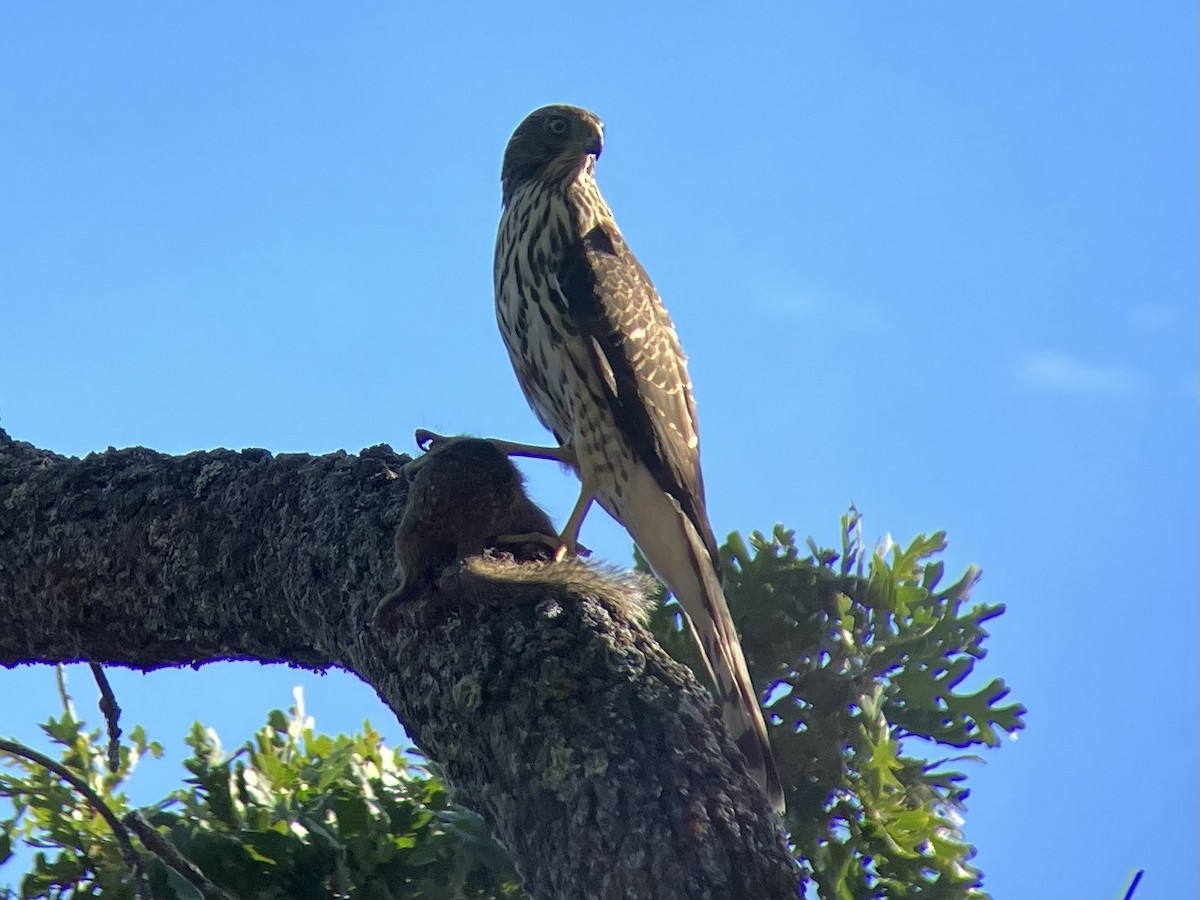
(146, 560)
(596, 759)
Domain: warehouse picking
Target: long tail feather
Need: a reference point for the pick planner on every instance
(676, 552)
(739, 701)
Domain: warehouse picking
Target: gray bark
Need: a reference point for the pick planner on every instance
(595, 758)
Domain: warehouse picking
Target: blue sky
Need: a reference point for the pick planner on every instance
(936, 259)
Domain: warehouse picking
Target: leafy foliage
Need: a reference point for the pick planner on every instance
(83, 859)
(862, 673)
(864, 659)
(295, 814)
(290, 814)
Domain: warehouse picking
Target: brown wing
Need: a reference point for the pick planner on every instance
(612, 302)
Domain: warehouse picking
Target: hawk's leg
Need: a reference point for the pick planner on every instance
(546, 540)
(568, 540)
(567, 543)
(508, 448)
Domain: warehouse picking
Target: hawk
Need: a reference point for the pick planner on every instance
(600, 364)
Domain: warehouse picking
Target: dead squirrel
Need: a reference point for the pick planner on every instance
(466, 497)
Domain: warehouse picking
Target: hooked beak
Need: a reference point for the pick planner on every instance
(596, 145)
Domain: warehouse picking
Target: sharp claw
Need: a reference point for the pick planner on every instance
(563, 550)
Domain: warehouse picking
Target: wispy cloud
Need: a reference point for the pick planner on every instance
(1160, 318)
(804, 306)
(788, 305)
(1063, 373)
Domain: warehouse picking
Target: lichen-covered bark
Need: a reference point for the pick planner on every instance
(142, 559)
(596, 759)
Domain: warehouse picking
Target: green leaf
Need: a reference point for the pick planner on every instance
(352, 814)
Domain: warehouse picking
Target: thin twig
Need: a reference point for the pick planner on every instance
(1133, 887)
(170, 855)
(60, 679)
(112, 715)
(120, 832)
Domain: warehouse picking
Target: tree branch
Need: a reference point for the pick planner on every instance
(170, 856)
(595, 758)
(137, 868)
(140, 559)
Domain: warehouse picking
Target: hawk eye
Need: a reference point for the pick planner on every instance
(557, 125)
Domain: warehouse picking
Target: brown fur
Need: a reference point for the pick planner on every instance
(465, 497)
(627, 593)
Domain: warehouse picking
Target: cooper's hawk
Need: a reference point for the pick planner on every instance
(598, 359)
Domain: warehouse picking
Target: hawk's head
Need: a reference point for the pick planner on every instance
(551, 144)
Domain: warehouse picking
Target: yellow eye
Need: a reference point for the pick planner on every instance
(558, 125)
